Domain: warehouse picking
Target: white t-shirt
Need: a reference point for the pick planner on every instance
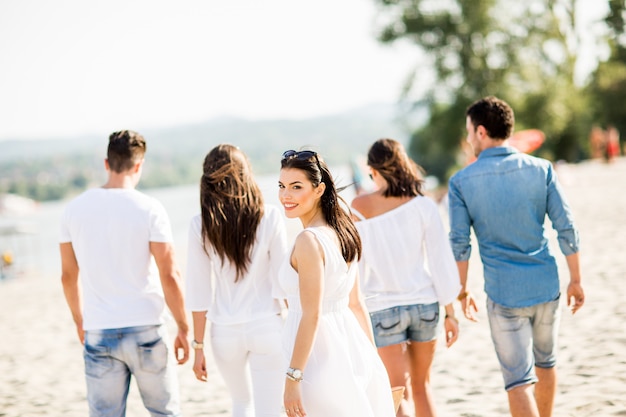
(110, 231)
(407, 258)
(211, 285)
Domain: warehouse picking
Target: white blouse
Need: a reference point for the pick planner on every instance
(211, 286)
(407, 258)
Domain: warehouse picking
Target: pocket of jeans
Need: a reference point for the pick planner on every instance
(265, 339)
(508, 319)
(153, 356)
(430, 313)
(386, 322)
(97, 360)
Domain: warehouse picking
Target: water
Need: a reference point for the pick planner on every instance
(36, 254)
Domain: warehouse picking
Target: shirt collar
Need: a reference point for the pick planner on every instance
(498, 151)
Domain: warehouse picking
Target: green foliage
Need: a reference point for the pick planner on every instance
(522, 52)
(608, 86)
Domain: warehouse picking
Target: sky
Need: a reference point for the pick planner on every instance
(73, 67)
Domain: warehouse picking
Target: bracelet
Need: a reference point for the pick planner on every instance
(295, 374)
(462, 296)
(452, 318)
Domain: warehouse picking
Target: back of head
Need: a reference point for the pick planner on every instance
(495, 115)
(402, 174)
(125, 149)
(317, 172)
(231, 205)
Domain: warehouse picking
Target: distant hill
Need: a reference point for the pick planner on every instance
(175, 154)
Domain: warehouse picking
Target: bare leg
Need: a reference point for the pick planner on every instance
(545, 390)
(422, 354)
(522, 401)
(396, 362)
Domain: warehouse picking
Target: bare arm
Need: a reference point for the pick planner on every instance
(199, 327)
(308, 260)
(163, 253)
(575, 293)
(357, 305)
(71, 287)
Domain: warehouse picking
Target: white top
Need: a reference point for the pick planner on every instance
(407, 258)
(211, 285)
(110, 230)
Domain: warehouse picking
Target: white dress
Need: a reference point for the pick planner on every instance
(344, 376)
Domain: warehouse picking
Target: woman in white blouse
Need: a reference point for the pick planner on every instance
(235, 247)
(408, 271)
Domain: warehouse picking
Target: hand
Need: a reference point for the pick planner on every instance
(575, 296)
(81, 333)
(293, 399)
(467, 305)
(181, 347)
(199, 366)
(451, 324)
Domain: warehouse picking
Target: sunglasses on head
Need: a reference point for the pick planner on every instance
(302, 155)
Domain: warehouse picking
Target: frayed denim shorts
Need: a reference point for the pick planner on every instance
(417, 322)
(524, 338)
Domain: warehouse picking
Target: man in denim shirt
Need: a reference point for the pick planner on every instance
(505, 195)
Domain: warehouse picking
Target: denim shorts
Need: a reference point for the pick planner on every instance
(524, 338)
(113, 355)
(417, 322)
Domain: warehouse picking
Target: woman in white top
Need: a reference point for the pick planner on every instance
(334, 370)
(408, 271)
(235, 248)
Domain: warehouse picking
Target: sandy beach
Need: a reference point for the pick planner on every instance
(41, 367)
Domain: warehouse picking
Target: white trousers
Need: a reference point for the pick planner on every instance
(249, 357)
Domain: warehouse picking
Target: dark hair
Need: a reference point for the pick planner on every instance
(231, 206)
(317, 172)
(495, 115)
(125, 149)
(403, 175)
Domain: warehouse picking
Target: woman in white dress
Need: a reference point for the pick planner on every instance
(408, 272)
(333, 367)
(236, 246)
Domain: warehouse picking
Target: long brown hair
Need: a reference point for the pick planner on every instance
(402, 174)
(317, 172)
(231, 206)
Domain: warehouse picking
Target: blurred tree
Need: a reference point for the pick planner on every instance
(522, 52)
(608, 85)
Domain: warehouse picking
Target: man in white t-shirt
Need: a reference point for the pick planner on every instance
(119, 241)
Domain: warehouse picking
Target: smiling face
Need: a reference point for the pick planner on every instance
(297, 194)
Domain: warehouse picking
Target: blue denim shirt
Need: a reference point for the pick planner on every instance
(505, 195)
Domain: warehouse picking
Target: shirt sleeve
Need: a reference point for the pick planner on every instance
(160, 227)
(64, 229)
(561, 216)
(199, 281)
(445, 274)
(460, 223)
(277, 251)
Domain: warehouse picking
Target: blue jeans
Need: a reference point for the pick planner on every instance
(113, 355)
(417, 322)
(524, 338)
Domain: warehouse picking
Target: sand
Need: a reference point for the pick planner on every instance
(41, 368)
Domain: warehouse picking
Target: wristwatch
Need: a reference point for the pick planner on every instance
(295, 374)
(196, 345)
